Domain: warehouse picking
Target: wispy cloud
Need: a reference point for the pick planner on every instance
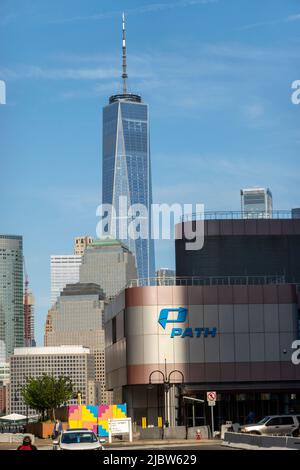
(287, 19)
(254, 111)
(81, 73)
(153, 7)
(6, 19)
(293, 17)
(236, 171)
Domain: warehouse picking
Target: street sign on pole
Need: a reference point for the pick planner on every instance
(211, 396)
(211, 399)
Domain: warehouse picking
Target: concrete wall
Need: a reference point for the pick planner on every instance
(245, 441)
(204, 430)
(18, 438)
(256, 326)
(177, 432)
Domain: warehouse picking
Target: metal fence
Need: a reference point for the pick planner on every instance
(206, 281)
(236, 215)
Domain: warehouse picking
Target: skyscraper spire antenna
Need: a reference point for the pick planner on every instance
(124, 65)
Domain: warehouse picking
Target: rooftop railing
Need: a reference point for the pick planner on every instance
(235, 215)
(207, 281)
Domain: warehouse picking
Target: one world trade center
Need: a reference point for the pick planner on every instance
(126, 171)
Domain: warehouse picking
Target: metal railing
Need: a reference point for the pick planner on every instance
(206, 281)
(236, 215)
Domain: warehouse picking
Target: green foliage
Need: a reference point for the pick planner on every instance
(46, 393)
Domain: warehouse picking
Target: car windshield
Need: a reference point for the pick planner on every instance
(78, 437)
(264, 420)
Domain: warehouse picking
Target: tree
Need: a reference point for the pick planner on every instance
(46, 393)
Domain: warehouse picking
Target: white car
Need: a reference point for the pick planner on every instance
(78, 439)
(278, 425)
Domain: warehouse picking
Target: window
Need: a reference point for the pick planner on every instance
(274, 422)
(286, 420)
(114, 330)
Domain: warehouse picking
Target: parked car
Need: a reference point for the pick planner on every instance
(280, 425)
(78, 439)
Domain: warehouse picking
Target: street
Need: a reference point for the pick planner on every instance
(207, 445)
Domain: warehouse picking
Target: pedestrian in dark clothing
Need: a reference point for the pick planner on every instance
(250, 418)
(27, 444)
(57, 428)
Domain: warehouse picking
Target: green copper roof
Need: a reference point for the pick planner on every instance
(107, 241)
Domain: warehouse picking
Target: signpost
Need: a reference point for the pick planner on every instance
(211, 400)
(119, 426)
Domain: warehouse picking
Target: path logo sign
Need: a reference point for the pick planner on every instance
(164, 316)
(181, 317)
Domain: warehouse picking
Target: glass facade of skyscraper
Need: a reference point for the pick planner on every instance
(11, 293)
(127, 171)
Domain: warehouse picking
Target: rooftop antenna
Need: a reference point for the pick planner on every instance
(124, 65)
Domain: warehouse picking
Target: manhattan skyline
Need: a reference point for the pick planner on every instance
(217, 79)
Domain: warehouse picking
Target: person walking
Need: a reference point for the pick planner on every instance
(57, 428)
(27, 445)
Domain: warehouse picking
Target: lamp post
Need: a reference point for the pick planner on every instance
(166, 384)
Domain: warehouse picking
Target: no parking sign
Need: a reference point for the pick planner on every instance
(211, 398)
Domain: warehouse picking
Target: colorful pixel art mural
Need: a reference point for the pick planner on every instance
(95, 417)
(106, 412)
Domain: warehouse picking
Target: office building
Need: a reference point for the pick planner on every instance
(108, 263)
(4, 372)
(64, 270)
(2, 351)
(77, 318)
(2, 399)
(296, 213)
(11, 293)
(256, 203)
(80, 244)
(165, 277)
(127, 169)
(74, 362)
(166, 342)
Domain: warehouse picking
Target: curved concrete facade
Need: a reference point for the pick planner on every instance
(255, 327)
(234, 339)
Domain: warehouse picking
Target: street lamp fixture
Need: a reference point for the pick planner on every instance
(166, 385)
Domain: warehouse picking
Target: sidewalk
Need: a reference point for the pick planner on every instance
(123, 444)
(162, 442)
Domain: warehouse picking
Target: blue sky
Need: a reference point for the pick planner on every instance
(216, 74)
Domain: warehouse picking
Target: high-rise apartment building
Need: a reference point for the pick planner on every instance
(127, 170)
(11, 293)
(256, 203)
(80, 244)
(77, 318)
(108, 263)
(64, 270)
(74, 362)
